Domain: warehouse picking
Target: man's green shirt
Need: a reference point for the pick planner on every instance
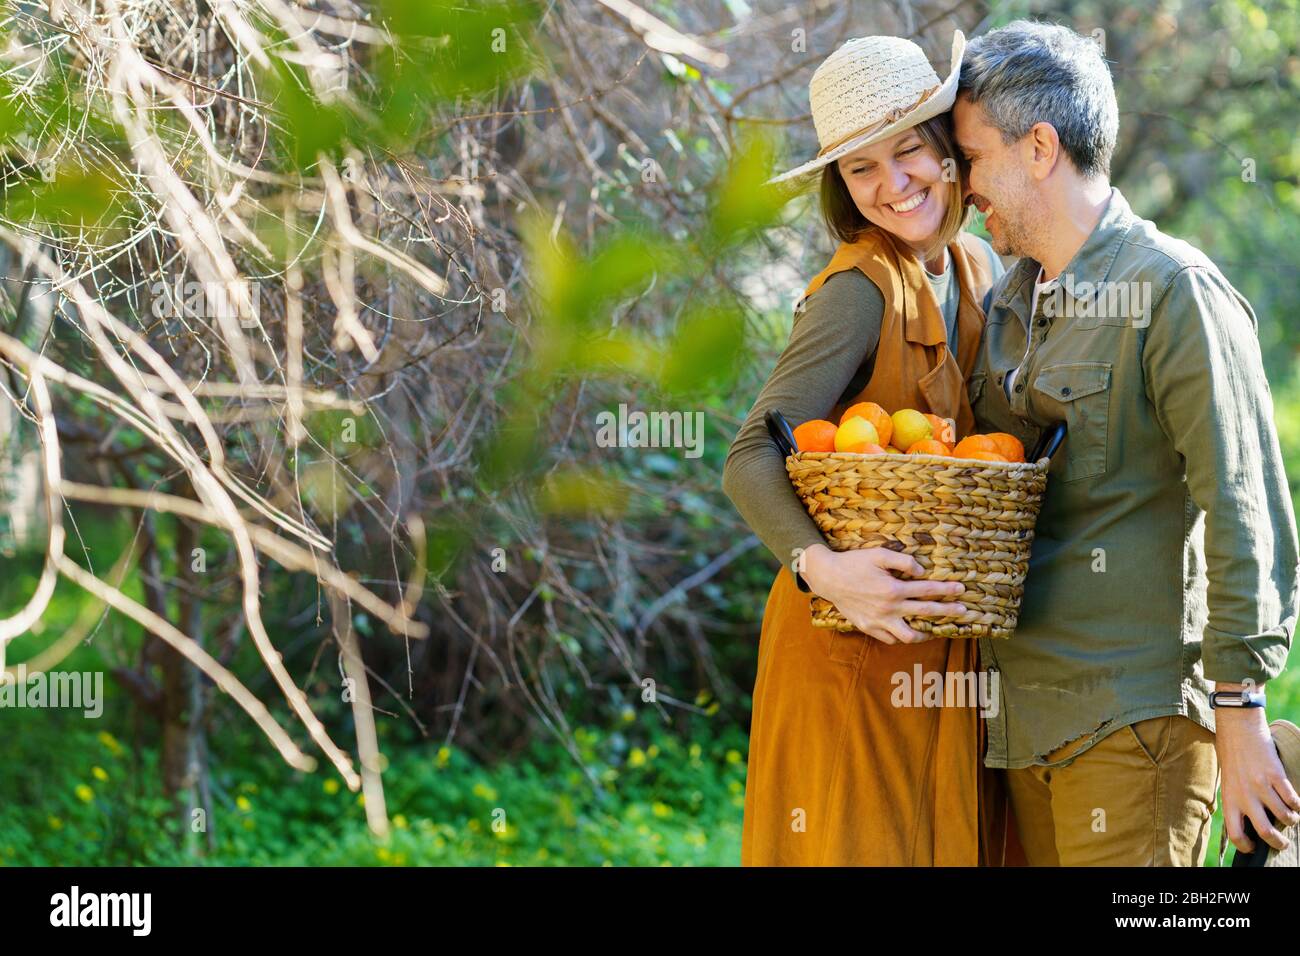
(1165, 555)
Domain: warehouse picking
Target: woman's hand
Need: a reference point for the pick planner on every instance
(860, 584)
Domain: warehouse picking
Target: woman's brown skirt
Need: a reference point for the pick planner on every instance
(840, 776)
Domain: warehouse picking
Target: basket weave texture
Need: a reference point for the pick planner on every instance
(961, 519)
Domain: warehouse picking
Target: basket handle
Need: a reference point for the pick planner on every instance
(1049, 441)
(780, 431)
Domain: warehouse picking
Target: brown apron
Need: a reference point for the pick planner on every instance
(838, 775)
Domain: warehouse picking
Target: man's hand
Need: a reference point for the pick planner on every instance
(1254, 780)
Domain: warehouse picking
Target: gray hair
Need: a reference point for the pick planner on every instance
(1029, 72)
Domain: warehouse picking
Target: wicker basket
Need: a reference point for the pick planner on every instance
(961, 519)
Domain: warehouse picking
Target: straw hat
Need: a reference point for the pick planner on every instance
(873, 88)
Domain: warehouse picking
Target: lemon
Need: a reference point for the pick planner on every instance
(856, 433)
(910, 427)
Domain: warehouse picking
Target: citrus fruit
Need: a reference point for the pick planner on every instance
(945, 429)
(972, 443)
(984, 456)
(929, 446)
(1009, 446)
(874, 414)
(854, 434)
(815, 435)
(910, 426)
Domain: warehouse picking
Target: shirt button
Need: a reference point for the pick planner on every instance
(1066, 390)
(1020, 387)
(1041, 323)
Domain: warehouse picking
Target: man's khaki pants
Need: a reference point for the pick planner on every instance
(1143, 795)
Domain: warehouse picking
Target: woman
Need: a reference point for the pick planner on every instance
(837, 774)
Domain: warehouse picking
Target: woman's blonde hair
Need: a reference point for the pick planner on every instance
(847, 224)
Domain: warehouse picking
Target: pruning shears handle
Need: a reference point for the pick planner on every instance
(780, 431)
(1049, 441)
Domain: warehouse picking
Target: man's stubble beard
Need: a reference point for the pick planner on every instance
(1020, 229)
(1014, 241)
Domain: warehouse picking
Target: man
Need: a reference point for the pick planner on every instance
(1165, 556)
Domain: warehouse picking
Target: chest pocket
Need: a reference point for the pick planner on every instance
(1078, 393)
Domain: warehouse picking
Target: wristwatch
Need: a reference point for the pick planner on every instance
(1236, 698)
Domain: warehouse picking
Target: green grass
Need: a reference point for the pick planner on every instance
(76, 793)
(87, 798)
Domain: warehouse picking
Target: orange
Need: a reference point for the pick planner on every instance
(1009, 446)
(874, 414)
(870, 449)
(816, 435)
(945, 429)
(975, 443)
(854, 434)
(984, 456)
(929, 446)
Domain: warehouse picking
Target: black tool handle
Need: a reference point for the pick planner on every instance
(780, 431)
(1259, 855)
(1048, 441)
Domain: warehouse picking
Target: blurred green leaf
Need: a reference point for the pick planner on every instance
(324, 488)
(582, 491)
(515, 446)
(310, 127)
(576, 296)
(448, 541)
(343, 431)
(744, 202)
(704, 350)
(447, 49)
(76, 197)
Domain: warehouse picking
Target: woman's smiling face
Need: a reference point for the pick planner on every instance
(897, 184)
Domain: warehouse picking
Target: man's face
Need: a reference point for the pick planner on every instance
(998, 181)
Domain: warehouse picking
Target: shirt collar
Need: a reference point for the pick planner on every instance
(1090, 265)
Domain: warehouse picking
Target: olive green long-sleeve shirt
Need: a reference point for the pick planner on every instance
(1165, 555)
